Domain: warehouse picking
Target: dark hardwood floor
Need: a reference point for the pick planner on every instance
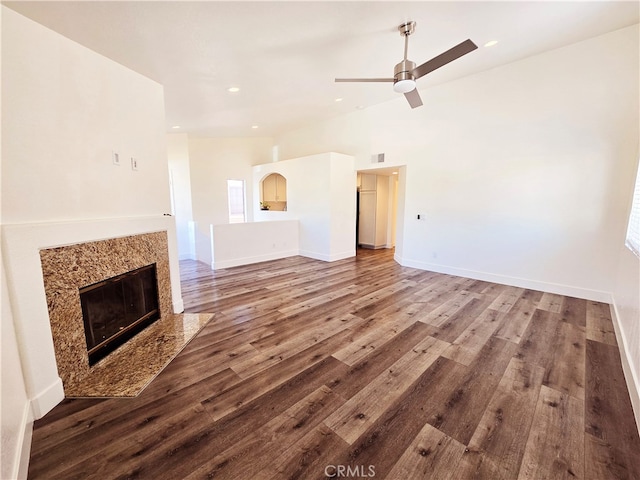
(362, 368)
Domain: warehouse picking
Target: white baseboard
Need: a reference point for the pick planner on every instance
(630, 373)
(47, 399)
(341, 256)
(559, 289)
(17, 447)
(234, 262)
(178, 306)
(328, 258)
(21, 465)
(315, 255)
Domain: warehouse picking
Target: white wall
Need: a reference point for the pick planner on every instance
(522, 168)
(393, 211)
(180, 176)
(347, 134)
(342, 213)
(321, 195)
(213, 161)
(626, 307)
(516, 171)
(252, 242)
(64, 110)
(17, 419)
(626, 304)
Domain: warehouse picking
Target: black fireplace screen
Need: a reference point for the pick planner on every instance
(118, 308)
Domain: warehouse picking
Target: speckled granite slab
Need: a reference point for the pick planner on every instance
(68, 268)
(131, 367)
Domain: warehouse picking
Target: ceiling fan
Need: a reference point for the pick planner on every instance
(406, 73)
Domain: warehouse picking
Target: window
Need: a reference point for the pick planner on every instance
(633, 230)
(235, 190)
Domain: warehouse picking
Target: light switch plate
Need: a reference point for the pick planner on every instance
(134, 163)
(115, 156)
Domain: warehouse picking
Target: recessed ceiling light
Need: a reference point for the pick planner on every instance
(254, 126)
(491, 43)
(360, 107)
(338, 99)
(233, 89)
(395, 173)
(176, 126)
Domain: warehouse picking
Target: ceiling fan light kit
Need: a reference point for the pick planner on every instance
(406, 73)
(404, 86)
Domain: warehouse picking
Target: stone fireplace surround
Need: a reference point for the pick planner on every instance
(24, 290)
(130, 367)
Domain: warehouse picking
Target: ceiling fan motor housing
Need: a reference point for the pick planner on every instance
(403, 78)
(402, 70)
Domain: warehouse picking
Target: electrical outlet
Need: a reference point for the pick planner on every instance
(115, 156)
(134, 163)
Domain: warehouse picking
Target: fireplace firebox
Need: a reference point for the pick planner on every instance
(116, 309)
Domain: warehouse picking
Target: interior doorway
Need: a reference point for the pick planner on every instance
(377, 195)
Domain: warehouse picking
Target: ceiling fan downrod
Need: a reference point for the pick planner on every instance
(404, 80)
(405, 30)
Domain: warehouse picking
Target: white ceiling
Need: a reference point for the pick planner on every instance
(284, 56)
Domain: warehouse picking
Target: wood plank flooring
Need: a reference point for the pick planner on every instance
(362, 368)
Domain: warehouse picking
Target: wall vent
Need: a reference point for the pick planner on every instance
(377, 158)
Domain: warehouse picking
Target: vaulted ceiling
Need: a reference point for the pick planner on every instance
(284, 56)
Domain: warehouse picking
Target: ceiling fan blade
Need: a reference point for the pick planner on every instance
(413, 97)
(444, 58)
(364, 79)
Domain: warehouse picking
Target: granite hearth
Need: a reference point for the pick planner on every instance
(129, 368)
(126, 371)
